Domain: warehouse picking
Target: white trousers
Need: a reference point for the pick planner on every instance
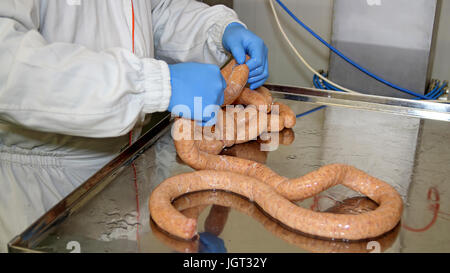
(32, 184)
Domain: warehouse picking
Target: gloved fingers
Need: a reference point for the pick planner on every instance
(256, 85)
(264, 73)
(209, 113)
(256, 72)
(238, 52)
(197, 91)
(233, 41)
(259, 80)
(261, 69)
(257, 51)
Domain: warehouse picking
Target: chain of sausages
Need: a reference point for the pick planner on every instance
(192, 205)
(270, 191)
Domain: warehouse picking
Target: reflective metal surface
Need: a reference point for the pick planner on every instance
(109, 212)
(413, 108)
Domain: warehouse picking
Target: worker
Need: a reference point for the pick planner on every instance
(78, 79)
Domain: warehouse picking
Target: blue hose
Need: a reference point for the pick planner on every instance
(324, 84)
(329, 86)
(440, 91)
(316, 83)
(437, 91)
(433, 92)
(311, 111)
(348, 59)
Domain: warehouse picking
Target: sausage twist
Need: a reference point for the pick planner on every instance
(192, 205)
(257, 182)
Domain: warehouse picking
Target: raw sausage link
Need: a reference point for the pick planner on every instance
(355, 205)
(259, 98)
(192, 205)
(351, 227)
(246, 125)
(325, 225)
(256, 181)
(236, 77)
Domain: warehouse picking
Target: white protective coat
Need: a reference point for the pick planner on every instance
(71, 89)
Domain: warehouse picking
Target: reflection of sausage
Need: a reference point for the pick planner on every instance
(285, 137)
(327, 225)
(355, 205)
(252, 150)
(249, 150)
(216, 220)
(287, 114)
(202, 199)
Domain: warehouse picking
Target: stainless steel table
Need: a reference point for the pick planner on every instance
(404, 142)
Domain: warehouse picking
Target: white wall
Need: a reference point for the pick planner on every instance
(441, 63)
(285, 68)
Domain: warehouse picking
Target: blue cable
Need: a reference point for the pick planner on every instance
(434, 91)
(316, 85)
(346, 58)
(311, 111)
(315, 82)
(326, 85)
(433, 94)
(437, 91)
(440, 91)
(329, 86)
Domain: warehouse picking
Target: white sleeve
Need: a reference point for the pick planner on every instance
(69, 89)
(190, 31)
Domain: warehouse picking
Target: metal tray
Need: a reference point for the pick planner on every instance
(404, 142)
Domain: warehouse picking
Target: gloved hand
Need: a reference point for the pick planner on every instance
(240, 41)
(210, 243)
(192, 83)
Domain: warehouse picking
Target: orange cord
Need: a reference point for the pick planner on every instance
(435, 206)
(133, 166)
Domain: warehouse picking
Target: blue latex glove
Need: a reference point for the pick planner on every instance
(240, 41)
(210, 243)
(192, 83)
